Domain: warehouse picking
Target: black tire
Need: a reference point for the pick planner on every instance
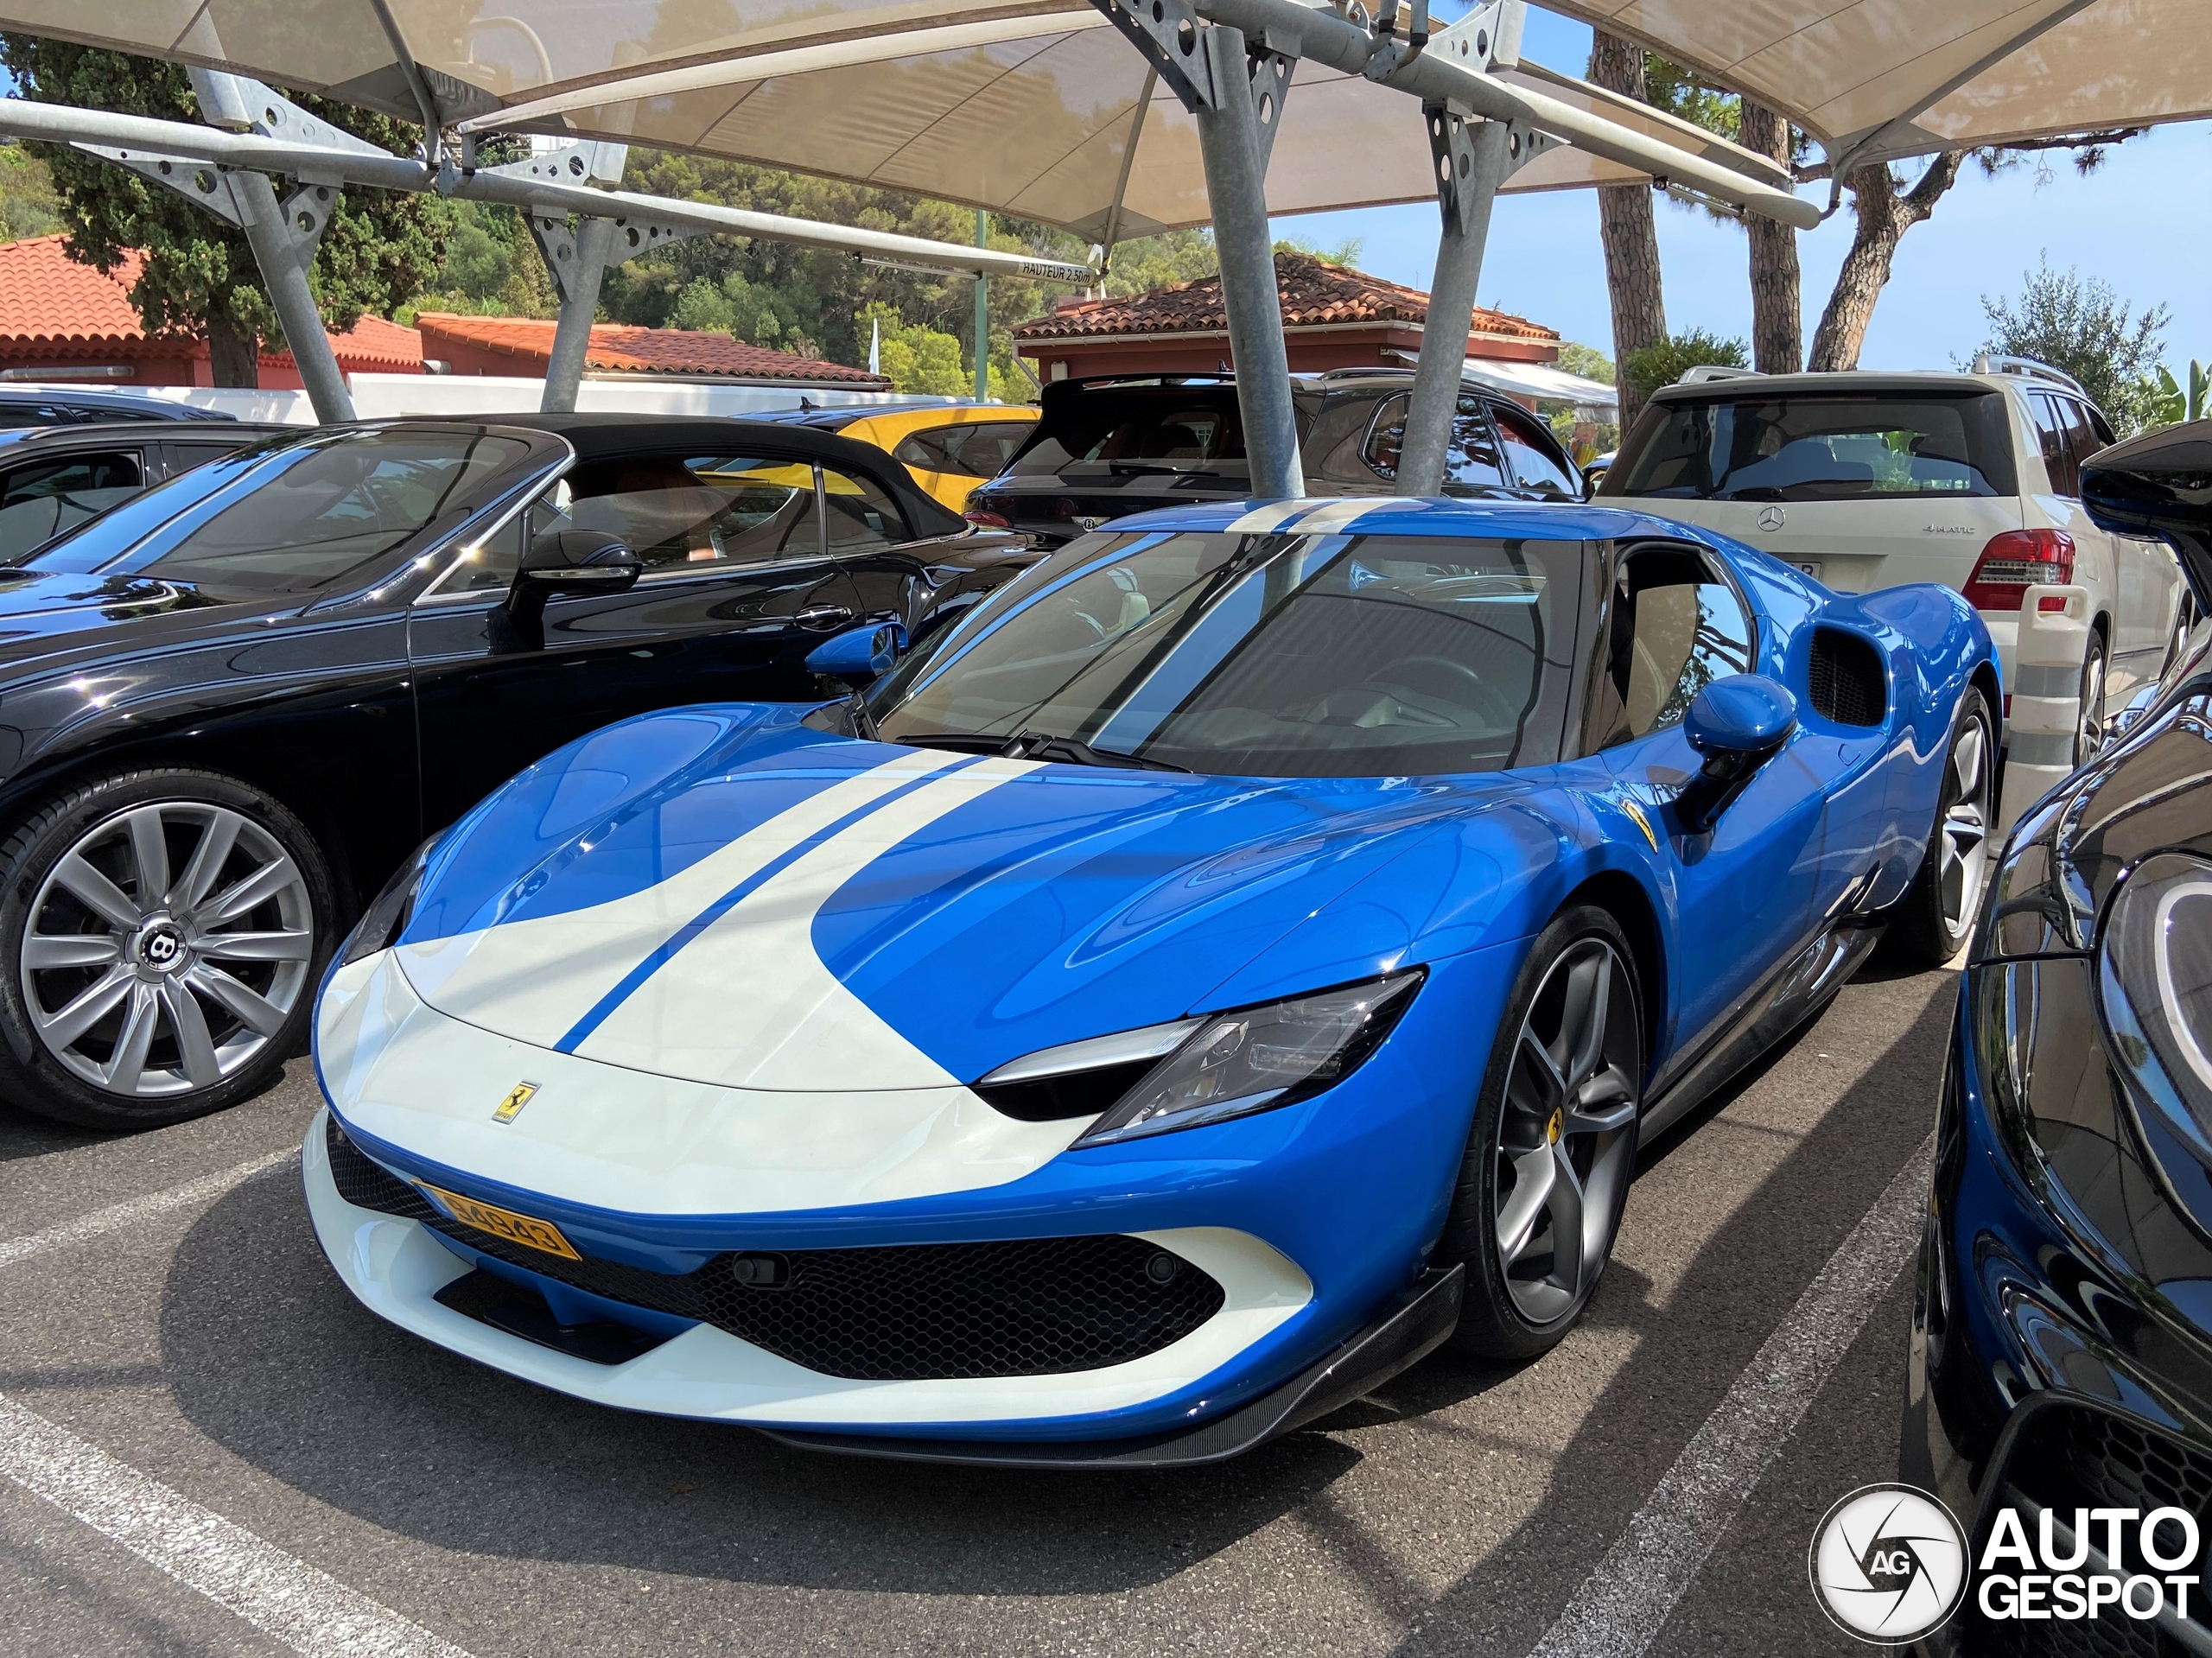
(1933, 921)
(2089, 725)
(1498, 1320)
(185, 1058)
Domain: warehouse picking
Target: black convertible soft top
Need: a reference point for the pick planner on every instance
(602, 436)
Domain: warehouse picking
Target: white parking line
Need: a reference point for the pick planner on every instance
(308, 1610)
(137, 1209)
(1619, 1609)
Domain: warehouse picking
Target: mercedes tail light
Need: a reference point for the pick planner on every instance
(2017, 560)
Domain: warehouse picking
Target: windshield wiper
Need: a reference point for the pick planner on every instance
(1027, 744)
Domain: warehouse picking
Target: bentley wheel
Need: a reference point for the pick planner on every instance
(1932, 923)
(162, 933)
(1554, 1143)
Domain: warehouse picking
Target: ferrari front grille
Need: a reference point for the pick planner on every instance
(899, 1313)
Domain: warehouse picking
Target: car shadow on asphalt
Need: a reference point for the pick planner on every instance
(1688, 1352)
(266, 1354)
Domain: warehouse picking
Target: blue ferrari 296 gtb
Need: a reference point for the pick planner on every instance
(1242, 954)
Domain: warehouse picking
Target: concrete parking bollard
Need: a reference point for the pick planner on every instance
(2046, 700)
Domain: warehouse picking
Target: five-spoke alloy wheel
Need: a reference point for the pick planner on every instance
(1554, 1143)
(163, 932)
(1932, 924)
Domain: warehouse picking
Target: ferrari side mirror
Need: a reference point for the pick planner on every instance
(1737, 724)
(858, 656)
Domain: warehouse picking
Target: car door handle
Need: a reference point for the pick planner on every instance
(822, 617)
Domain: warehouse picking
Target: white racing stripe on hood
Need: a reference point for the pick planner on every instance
(535, 978)
(1340, 514)
(749, 1004)
(1272, 516)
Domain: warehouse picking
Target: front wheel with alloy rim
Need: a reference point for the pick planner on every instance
(161, 936)
(2089, 715)
(1548, 1159)
(1930, 926)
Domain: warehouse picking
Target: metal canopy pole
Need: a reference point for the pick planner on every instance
(1229, 144)
(982, 314)
(578, 263)
(1473, 159)
(1477, 158)
(284, 241)
(1235, 92)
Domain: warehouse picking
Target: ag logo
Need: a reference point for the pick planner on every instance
(1772, 518)
(517, 1096)
(1889, 1564)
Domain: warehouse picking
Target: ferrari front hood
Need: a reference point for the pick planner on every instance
(722, 896)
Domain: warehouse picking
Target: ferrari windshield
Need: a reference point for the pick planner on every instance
(1263, 656)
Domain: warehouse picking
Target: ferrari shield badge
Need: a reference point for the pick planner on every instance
(517, 1096)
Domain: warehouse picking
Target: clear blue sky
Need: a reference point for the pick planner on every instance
(2143, 222)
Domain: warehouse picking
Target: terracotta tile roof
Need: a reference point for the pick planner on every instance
(1313, 293)
(49, 298)
(622, 348)
(371, 346)
(51, 307)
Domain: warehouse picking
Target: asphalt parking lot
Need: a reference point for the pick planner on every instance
(282, 1471)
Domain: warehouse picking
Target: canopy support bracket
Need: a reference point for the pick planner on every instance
(1235, 89)
(577, 257)
(283, 235)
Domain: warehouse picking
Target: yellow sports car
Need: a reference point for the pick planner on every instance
(949, 448)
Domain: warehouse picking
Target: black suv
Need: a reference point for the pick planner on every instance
(1105, 448)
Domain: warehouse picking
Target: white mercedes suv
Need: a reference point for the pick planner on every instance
(1866, 480)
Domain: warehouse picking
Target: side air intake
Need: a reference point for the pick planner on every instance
(1848, 685)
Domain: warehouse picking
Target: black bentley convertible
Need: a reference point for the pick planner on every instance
(230, 706)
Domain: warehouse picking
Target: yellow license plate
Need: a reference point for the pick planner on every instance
(530, 1232)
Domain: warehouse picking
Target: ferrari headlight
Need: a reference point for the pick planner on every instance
(386, 918)
(1259, 1058)
(2155, 976)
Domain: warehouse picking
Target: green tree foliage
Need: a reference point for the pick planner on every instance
(1587, 361)
(379, 250)
(29, 206)
(1665, 361)
(814, 301)
(2083, 328)
(2173, 403)
(492, 268)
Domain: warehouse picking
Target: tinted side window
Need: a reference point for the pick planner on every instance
(1675, 627)
(1469, 462)
(678, 511)
(1529, 454)
(35, 413)
(931, 450)
(43, 499)
(2057, 452)
(858, 514)
(984, 450)
(2081, 437)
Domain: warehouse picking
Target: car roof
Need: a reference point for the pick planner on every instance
(598, 436)
(70, 397)
(1395, 515)
(1853, 382)
(831, 420)
(95, 434)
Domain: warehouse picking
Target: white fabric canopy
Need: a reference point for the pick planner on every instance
(1937, 73)
(1542, 382)
(1036, 109)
